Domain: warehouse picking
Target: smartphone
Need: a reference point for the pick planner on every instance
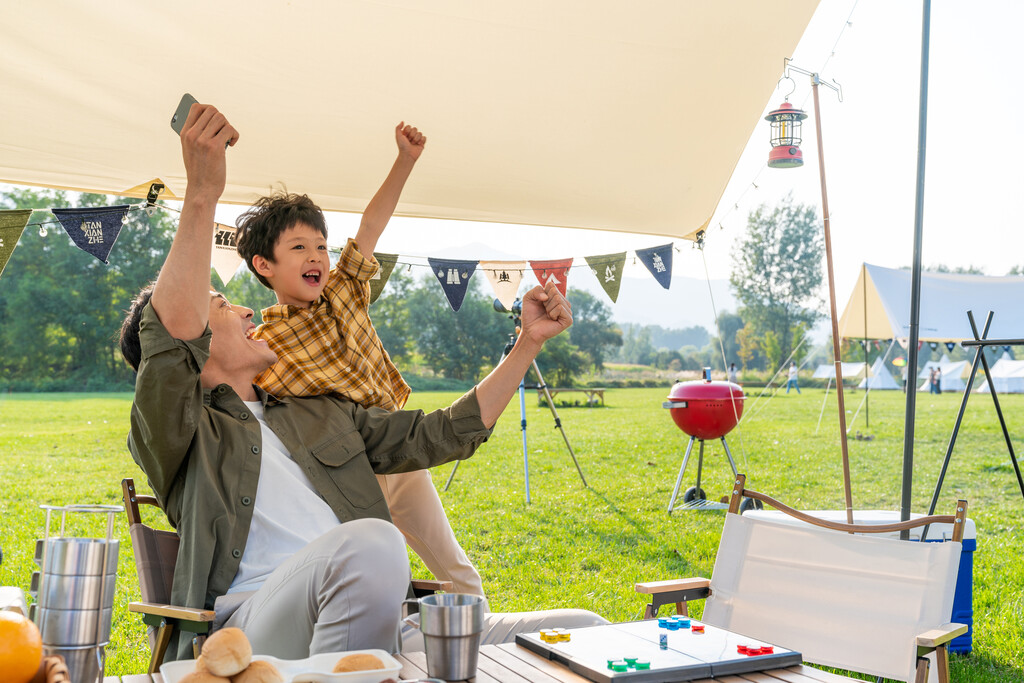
(181, 113)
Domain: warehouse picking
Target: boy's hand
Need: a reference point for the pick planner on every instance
(546, 313)
(410, 140)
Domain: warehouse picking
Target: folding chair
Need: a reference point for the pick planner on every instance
(846, 600)
(156, 552)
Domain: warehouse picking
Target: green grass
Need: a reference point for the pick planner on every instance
(586, 547)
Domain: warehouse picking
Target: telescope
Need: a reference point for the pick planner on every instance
(517, 307)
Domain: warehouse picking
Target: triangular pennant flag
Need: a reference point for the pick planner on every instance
(93, 230)
(950, 346)
(454, 278)
(1005, 348)
(904, 342)
(225, 259)
(608, 269)
(933, 345)
(556, 271)
(505, 277)
(142, 190)
(380, 278)
(659, 261)
(12, 224)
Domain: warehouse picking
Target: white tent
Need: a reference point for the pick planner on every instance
(951, 374)
(1007, 376)
(574, 113)
(850, 370)
(880, 378)
(881, 298)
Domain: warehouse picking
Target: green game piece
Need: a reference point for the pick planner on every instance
(630, 660)
(642, 664)
(620, 666)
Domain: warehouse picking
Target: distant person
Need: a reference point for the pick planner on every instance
(792, 382)
(734, 375)
(936, 381)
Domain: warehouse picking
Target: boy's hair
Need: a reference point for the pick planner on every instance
(129, 339)
(261, 226)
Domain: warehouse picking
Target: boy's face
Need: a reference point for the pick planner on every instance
(298, 272)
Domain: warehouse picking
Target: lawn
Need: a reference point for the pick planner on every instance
(586, 547)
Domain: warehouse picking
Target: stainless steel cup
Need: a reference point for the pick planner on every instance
(452, 625)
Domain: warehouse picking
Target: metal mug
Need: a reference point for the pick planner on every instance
(452, 625)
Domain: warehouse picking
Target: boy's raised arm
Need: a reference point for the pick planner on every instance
(182, 295)
(378, 212)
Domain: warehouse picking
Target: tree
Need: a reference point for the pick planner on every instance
(560, 361)
(392, 319)
(748, 345)
(772, 349)
(777, 270)
(729, 324)
(592, 331)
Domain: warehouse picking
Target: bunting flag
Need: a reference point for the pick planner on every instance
(556, 271)
(93, 230)
(659, 261)
(380, 278)
(505, 278)
(225, 258)
(950, 346)
(1006, 349)
(454, 278)
(933, 345)
(12, 224)
(608, 269)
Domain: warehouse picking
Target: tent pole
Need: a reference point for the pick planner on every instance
(915, 282)
(867, 368)
(837, 354)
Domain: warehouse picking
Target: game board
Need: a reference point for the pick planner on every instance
(632, 651)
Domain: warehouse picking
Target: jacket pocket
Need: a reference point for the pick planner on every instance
(344, 460)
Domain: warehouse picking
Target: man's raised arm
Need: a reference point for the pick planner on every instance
(182, 294)
(546, 313)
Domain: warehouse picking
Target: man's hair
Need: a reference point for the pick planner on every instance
(261, 226)
(131, 349)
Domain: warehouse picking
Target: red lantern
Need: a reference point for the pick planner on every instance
(786, 124)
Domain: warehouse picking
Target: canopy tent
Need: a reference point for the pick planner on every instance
(879, 378)
(573, 113)
(1007, 376)
(828, 371)
(882, 297)
(951, 378)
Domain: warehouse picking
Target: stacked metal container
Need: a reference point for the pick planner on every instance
(74, 592)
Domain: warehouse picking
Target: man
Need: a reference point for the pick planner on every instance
(284, 530)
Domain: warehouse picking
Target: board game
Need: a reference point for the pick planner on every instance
(665, 649)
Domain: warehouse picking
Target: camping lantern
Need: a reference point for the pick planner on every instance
(786, 124)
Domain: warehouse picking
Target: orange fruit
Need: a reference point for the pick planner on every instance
(21, 648)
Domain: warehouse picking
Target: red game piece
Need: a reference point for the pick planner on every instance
(742, 649)
(698, 628)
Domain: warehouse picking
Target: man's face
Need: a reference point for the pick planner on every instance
(232, 349)
(300, 267)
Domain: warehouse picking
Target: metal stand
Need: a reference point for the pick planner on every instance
(522, 416)
(694, 497)
(980, 342)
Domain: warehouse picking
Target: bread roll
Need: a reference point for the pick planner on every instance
(259, 672)
(203, 677)
(362, 661)
(227, 652)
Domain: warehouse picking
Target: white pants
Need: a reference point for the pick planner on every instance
(417, 512)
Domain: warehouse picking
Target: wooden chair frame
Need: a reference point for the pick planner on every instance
(936, 640)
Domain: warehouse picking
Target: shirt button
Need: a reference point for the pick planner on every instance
(246, 500)
(256, 449)
(236, 553)
(244, 416)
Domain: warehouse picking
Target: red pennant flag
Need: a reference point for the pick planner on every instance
(556, 271)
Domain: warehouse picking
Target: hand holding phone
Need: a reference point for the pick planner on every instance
(181, 113)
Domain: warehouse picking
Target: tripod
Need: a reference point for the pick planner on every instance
(522, 409)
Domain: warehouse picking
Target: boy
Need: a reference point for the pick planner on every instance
(326, 343)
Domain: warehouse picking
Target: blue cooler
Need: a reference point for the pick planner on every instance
(963, 597)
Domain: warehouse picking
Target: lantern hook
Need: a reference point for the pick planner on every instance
(792, 89)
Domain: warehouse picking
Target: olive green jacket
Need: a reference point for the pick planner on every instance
(200, 450)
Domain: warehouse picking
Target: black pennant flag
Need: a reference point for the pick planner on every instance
(93, 230)
(454, 278)
(933, 345)
(12, 224)
(380, 278)
(659, 261)
(950, 346)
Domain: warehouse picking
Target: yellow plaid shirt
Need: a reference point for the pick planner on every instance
(331, 347)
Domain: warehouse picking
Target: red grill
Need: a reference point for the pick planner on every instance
(706, 409)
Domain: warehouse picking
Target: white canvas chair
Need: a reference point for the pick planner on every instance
(866, 604)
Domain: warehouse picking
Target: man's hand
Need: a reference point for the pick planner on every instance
(204, 139)
(410, 140)
(546, 313)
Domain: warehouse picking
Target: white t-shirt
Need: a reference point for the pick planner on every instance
(792, 372)
(281, 524)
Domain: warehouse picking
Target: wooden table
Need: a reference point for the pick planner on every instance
(510, 663)
(592, 394)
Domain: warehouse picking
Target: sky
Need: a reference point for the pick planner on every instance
(870, 140)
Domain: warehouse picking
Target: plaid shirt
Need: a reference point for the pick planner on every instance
(331, 347)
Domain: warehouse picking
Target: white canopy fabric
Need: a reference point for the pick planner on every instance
(1007, 376)
(882, 296)
(573, 113)
(829, 370)
(879, 378)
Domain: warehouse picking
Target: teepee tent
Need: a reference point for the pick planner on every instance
(1007, 376)
(828, 371)
(879, 306)
(512, 96)
(879, 378)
